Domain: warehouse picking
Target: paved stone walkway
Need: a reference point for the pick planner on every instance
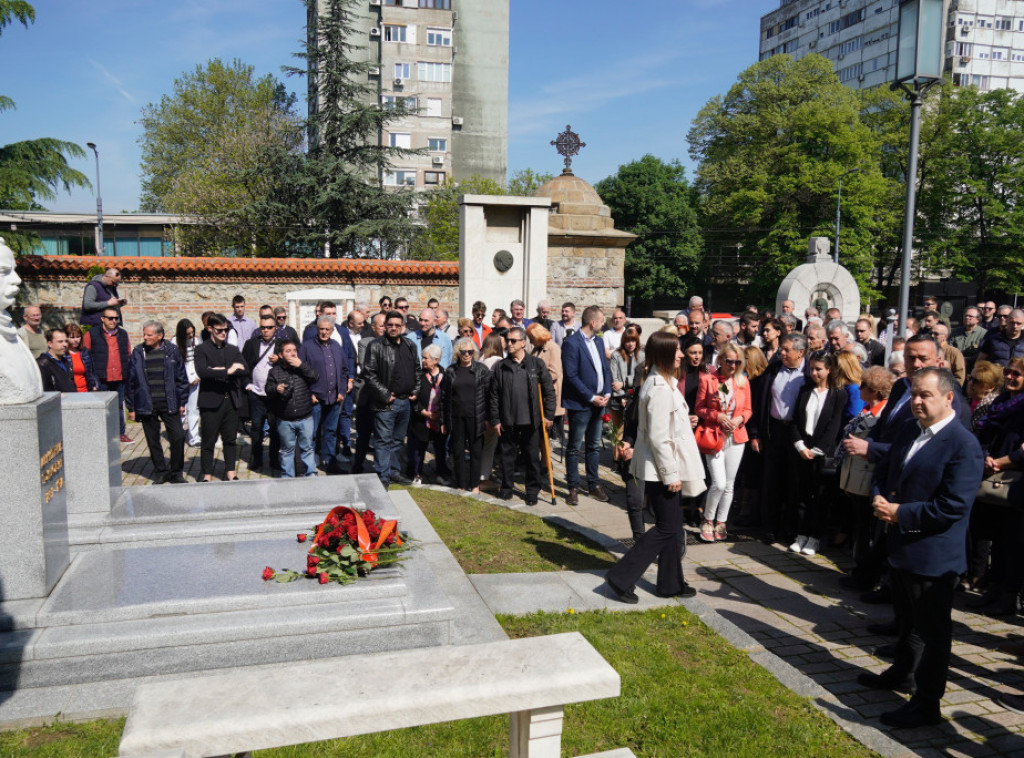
(787, 611)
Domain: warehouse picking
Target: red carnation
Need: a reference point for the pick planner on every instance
(606, 417)
(311, 570)
(312, 560)
(301, 537)
(324, 578)
(332, 520)
(268, 574)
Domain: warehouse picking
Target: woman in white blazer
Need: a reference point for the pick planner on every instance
(667, 459)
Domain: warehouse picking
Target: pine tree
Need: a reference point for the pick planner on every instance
(349, 211)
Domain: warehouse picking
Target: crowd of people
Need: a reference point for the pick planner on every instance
(817, 434)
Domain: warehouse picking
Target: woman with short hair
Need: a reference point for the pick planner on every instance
(464, 412)
(425, 425)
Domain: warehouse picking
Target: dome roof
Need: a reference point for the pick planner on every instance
(575, 197)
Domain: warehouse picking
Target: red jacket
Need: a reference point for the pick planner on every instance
(709, 403)
(477, 338)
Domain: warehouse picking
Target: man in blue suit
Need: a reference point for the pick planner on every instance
(923, 491)
(585, 392)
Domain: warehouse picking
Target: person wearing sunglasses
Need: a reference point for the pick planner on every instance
(519, 393)
(1003, 344)
(110, 351)
(723, 402)
(221, 370)
(284, 330)
(464, 412)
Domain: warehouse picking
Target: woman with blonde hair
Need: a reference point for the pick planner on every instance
(493, 351)
(846, 375)
(723, 403)
(667, 459)
(464, 411)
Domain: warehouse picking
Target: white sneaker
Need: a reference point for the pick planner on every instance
(811, 548)
(417, 482)
(798, 544)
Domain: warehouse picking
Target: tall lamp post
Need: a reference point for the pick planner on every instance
(99, 201)
(919, 63)
(839, 205)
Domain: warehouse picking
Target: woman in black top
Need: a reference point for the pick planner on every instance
(692, 368)
(463, 412)
(425, 421)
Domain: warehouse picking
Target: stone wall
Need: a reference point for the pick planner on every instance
(169, 289)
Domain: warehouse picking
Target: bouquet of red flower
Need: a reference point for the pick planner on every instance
(347, 545)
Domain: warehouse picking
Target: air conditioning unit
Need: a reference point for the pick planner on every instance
(456, 120)
(374, 2)
(375, 31)
(399, 82)
(860, 77)
(812, 44)
(964, 60)
(964, 30)
(437, 160)
(455, 15)
(373, 71)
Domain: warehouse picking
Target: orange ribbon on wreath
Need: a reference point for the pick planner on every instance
(367, 552)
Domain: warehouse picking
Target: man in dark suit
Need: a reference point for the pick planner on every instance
(923, 491)
(921, 352)
(585, 392)
(771, 431)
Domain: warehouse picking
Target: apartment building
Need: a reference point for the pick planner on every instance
(984, 39)
(448, 61)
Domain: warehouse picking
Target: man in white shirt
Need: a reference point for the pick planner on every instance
(613, 336)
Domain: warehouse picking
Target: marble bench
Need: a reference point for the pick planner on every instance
(236, 712)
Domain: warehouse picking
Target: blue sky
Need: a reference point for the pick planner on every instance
(628, 76)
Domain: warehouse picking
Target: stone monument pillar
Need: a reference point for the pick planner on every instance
(822, 283)
(33, 509)
(503, 251)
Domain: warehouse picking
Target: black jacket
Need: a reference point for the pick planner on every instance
(761, 401)
(296, 402)
(57, 375)
(830, 420)
(211, 363)
(501, 399)
(417, 421)
(482, 375)
(380, 361)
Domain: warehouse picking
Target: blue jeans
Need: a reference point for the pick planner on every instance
(117, 387)
(325, 419)
(292, 433)
(389, 428)
(584, 427)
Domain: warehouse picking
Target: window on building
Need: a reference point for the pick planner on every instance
(395, 33)
(833, 27)
(1004, 23)
(439, 37)
(983, 53)
(789, 23)
(1020, 25)
(850, 72)
(434, 72)
(434, 107)
(964, 49)
(1019, 57)
(402, 71)
(851, 18)
(979, 81)
(400, 139)
(390, 101)
(433, 178)
(849, 46)
(999, 54)
(400, 178)
(444, 5)
(437, 144)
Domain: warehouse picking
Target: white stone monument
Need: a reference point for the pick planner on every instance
(20, 380)
(302, 304)
(822, 283)
(503, 251)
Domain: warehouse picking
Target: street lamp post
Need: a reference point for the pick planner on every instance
(99, 201)
(839, 205)
(919, 65)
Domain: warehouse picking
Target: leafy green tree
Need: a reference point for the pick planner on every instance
(770, 152)
(653, 200)
(346, 204)
(525, 182)
(37, 169)
(438, 240)
(203, 147)
(971, 198)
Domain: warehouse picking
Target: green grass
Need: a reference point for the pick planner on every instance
(685, 691)
(489, 539)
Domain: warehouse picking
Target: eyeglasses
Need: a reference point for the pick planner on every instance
(267, 326)
(1012, 373)
(989, 308)
(513, 340)
(281, 318)
(109, 318)
(220, 330)
(402, 307)
(732, 363)
(466, 352)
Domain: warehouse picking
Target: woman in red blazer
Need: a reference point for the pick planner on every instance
(723, 401)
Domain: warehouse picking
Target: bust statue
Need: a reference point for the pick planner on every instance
(20, 380)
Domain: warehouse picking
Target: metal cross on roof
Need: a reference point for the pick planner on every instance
(568, 144)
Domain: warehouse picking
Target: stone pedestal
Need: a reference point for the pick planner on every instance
(302, 304)
(33, 509)
(92, 451)
(503, 253)
(822, 283)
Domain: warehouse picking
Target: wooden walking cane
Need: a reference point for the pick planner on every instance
(547, 443)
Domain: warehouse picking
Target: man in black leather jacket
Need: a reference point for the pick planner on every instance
(392, 375)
